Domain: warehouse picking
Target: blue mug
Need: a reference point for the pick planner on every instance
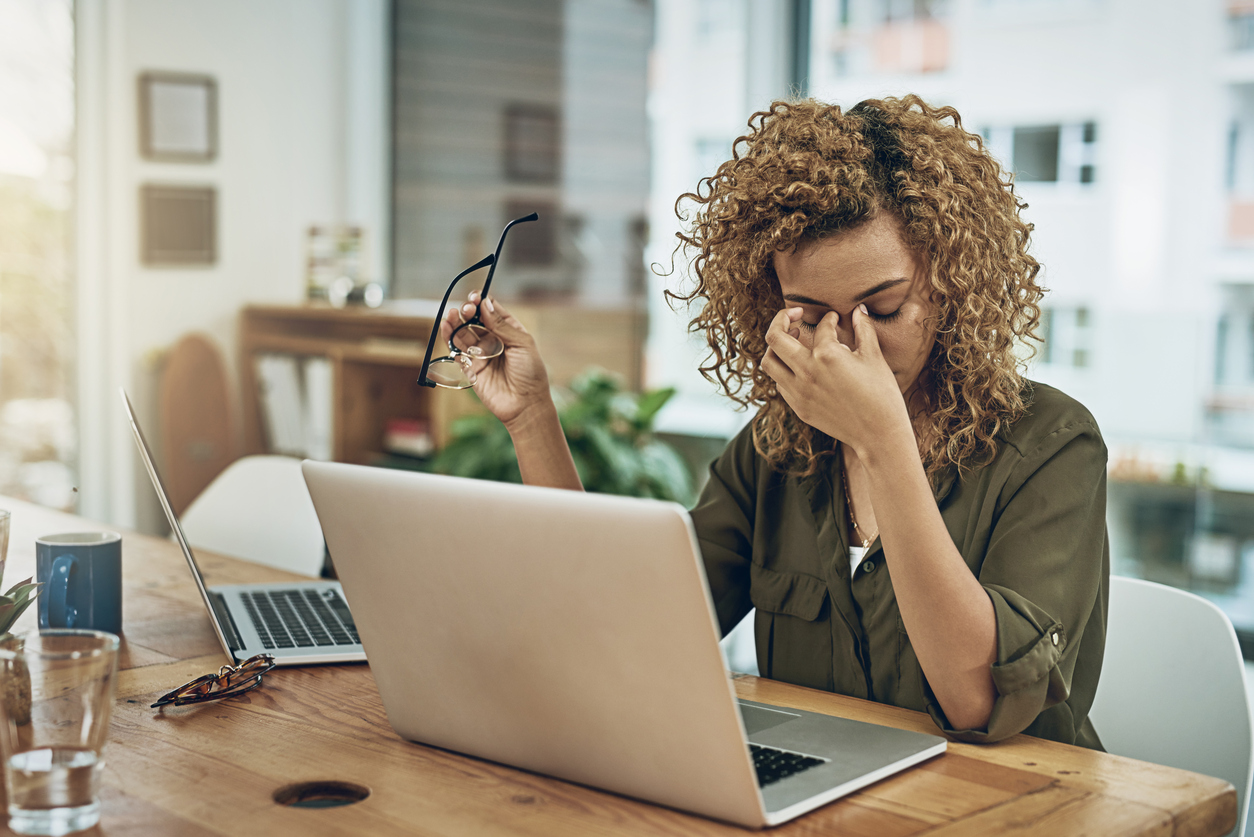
(82, 577)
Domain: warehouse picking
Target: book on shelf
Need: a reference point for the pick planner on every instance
(296, 400)
(319, 408)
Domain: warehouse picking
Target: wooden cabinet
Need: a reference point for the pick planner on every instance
(375, 356)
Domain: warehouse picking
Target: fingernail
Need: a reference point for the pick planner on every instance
(862, 308)
(491, 307)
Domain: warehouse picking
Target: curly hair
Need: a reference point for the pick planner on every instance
(807, 170)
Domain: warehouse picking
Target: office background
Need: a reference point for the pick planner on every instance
(425, 123)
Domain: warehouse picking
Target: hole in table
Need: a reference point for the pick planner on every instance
(328, 794)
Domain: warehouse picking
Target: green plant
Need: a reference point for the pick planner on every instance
(610, 433)
(15, 602)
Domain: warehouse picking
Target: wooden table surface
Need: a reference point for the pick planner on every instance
(214, 768)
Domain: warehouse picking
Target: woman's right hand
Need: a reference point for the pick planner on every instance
(515, 382)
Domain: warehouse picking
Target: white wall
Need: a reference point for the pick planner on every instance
(303, 139)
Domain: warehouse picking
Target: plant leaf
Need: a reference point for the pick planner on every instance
(649, 405)
(23, 589)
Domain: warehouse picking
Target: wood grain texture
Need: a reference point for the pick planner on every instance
(206, 769)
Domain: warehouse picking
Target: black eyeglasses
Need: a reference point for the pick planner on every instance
(470, 341)
(228, 682)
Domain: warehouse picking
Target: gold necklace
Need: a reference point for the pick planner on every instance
(857, 530)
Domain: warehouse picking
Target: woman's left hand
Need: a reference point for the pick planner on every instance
(848, 393)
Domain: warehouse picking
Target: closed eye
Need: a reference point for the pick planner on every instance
(884, 318)
(879, 318)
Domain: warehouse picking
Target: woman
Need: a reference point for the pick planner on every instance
(914, 521)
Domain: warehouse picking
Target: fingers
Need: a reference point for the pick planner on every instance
(451, 320)
(503, 324)
(782, 337)
(866, 340)
(827, 333)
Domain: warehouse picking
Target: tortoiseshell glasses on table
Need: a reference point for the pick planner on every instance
(228, 682)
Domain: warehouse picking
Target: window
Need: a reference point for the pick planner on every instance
(1057, 153)
(1240, 25)
(37, 346)
(504, 108)
(1234, 339)
(1229, 410)
(1066, 333)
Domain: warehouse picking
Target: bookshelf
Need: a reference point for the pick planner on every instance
(374, 356)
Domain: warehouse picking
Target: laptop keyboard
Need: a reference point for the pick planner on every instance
(772, 764)
(300, 618)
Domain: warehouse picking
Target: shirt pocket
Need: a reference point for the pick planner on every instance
(792, 627)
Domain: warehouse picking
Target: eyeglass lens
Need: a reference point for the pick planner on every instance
(476, 341)
(452, 372)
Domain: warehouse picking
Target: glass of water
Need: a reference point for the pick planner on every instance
(56, 697)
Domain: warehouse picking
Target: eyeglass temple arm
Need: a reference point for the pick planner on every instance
(426, 360)
(501, 243)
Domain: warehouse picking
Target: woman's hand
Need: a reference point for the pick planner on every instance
(848, 393)
(515, 382)
(515, 388)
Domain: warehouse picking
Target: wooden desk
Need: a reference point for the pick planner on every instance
(212, 769)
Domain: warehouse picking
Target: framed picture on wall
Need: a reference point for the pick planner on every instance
(178, 117)
(178, 225)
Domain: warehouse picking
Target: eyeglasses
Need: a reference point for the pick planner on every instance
(228, 682)
(470, 341)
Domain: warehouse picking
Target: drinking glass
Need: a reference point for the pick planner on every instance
(56, 697)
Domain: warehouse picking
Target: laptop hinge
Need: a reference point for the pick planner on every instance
(226, 621)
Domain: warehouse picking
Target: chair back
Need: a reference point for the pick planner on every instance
(197, 432)
(259, 509)
(1172, 689)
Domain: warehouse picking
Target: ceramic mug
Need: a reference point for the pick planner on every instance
(82, 577)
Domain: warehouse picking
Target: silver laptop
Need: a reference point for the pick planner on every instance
(573, 635)
(298, 623)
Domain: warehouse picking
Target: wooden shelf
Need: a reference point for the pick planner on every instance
(376, 354)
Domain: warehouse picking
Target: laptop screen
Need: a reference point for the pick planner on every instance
(146, 454)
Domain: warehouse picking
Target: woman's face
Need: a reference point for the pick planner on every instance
(869, 265)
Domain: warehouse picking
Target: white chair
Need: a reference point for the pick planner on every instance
(259, 509)
(1172, 689)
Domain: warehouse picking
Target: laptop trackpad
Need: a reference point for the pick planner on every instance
(759, 718)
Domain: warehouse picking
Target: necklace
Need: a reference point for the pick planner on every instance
(857, 530)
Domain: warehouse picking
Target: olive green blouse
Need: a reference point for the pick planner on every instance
(1031, 526)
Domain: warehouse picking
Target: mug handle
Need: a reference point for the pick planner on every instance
(60, 613)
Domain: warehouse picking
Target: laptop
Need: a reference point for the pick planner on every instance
(297, 623)
(573, 635)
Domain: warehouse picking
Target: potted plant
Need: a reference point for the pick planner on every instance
(15, 681)
(610, 433)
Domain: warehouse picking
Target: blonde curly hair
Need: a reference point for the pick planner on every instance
(807, 170)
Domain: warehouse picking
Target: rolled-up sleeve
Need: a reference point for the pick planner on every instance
(1045, 568)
